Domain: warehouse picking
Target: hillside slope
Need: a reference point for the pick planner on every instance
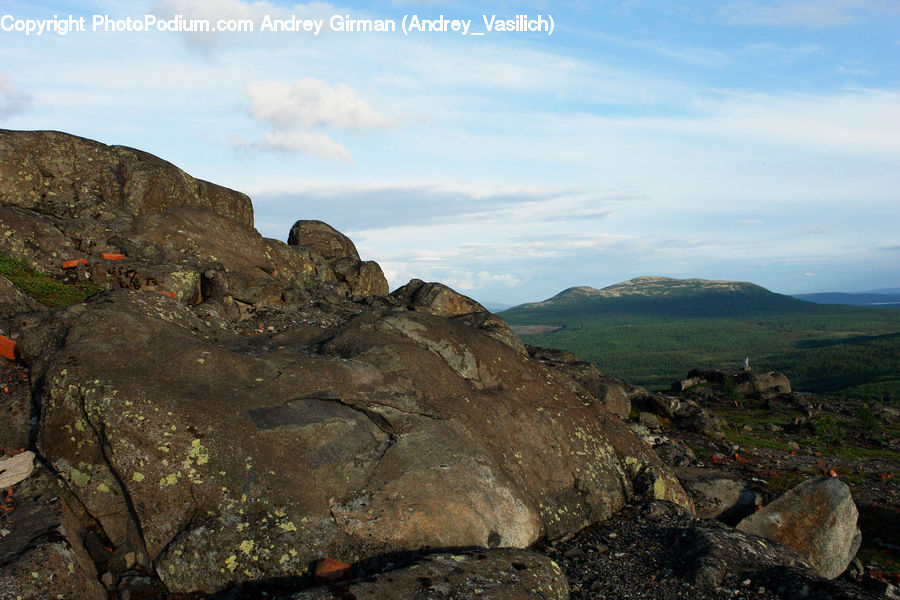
(649, 330)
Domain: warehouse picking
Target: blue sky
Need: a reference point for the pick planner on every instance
(739, 139)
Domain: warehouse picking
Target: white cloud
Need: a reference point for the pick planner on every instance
(300, 113)
(311, 102)
(307, 142)
(12, 100)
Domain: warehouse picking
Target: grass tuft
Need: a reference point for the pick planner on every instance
(44, 288)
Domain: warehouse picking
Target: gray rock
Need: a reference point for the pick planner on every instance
(717, 495)
(648, 420)
(817, 519)
(42, 555)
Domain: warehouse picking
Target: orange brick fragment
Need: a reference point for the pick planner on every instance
(9, 349)
(331, 570)
(169, 294)
(71, 264)
(112, 256)
(832, 473)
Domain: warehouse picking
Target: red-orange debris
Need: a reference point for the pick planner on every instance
(69, 264)
(331, 570)
(884, 475)
(8, 348)
(169, 294)
(832, 473)
(820, 463)
(112, 256)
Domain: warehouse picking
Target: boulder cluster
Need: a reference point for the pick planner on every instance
(230, 411)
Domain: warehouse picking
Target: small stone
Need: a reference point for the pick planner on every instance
(793, 445)
(130, 560)
(108, 580)
(330, 570)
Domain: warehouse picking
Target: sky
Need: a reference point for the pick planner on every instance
(751, 140)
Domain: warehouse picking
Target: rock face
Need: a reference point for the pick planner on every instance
(67, 176)
(363, 278)
(42, 555)
(817, 519)
(606, 390)
(66, 198)
(281, 407)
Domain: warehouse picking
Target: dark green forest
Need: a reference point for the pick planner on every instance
(824, 349)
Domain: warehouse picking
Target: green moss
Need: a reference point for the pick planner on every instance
(44, 288)
(754, 442)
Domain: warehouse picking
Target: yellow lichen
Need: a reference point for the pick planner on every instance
(231, 562)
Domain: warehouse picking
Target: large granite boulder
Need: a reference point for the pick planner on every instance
(221, 460)
(817, 519)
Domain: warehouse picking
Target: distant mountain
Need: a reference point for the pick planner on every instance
(885, 299)
(495, 307)
(652, 330)
(659, 295)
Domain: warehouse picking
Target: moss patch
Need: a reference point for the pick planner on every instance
(44, 288)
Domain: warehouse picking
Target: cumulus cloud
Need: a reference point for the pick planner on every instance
(311, 102)
(300, 113)
(12, 100)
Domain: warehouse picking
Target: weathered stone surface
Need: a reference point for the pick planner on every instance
(817, 519)
(42, 557)
(15, 406)
(14, 469)
(74, 178)
(491, 574)
(398, 430)
(718, 496)
(610, 392)
(438, 299)
(363, 278)
(13, 301)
